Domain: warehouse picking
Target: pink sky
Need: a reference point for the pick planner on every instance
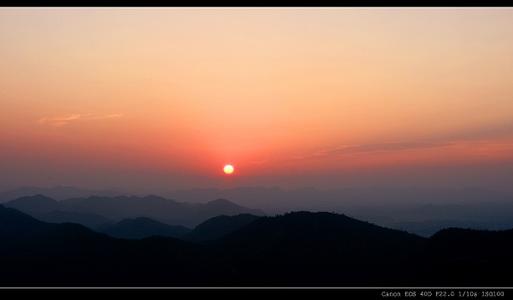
(154, 98)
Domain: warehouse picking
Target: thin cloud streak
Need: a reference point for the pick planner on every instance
(378, 147)
(475, 135)
(60, 121)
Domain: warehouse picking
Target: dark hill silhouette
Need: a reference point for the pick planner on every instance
(466, 255)
(123, 207)
(222, 204)
(56, 192)
(139, 228)
(17, 225)
(49, 210)
(87, 219)
(36, 253)
(219, 226)
(36, 204)
(295, 249)
(419, 210)
(157, 208)
(338, 249)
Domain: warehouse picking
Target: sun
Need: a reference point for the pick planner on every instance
(228, 169)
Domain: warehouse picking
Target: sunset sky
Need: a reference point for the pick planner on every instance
(149, 99)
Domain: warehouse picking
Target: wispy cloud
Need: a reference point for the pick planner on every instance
(59, 121)
(473, 135)
(378, 147)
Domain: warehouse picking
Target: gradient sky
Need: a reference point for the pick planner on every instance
(149, 99)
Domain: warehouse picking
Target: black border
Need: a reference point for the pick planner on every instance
(251, 293)
(260, 293)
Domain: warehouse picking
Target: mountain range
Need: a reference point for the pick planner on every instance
(95, 210)
(55, 192)
(218, 227)
(141, 227)
(294, 249)
(419, 210)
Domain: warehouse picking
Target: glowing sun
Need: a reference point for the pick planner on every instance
(228, 169)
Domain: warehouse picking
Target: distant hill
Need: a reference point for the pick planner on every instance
(88, 211)
(429, 228)
(421, 210)
(89, 220)
(219, 226)
(139, 228)
(35, 205)
(49, 210)
(364, 200)
(224, 207)
(56, 192)
(157, 208)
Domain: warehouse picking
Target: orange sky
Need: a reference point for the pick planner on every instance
(94, 97)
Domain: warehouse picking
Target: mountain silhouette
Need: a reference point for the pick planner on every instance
(15, 225)
(219, 226)
(56, 192)
(338, 249)
(419, 210)
(139, 228)
(157, 208)
(36, 253)
(222, 204)
(294, 249)
(88, 211)
(36, 204)
(49, 210)
(465, 255)
(87, 219)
